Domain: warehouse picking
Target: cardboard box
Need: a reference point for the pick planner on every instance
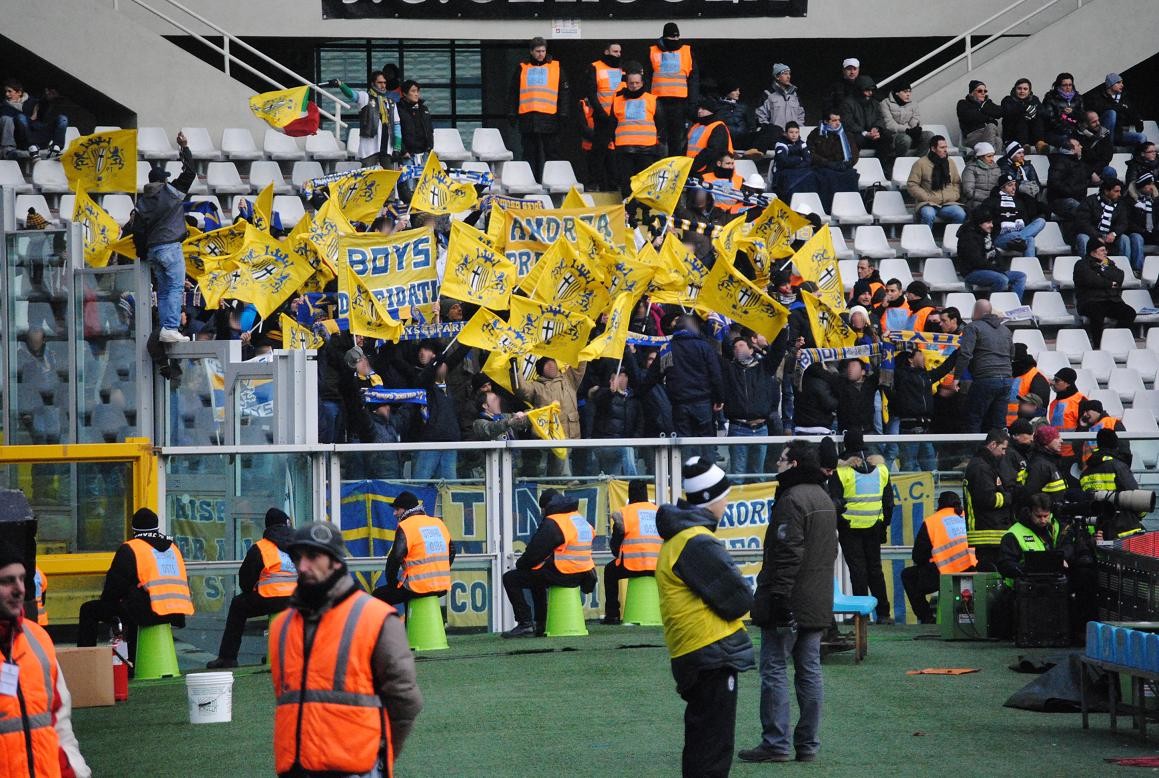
(88, 673)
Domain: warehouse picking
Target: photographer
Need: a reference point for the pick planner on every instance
(1107, 470)
(1036, 530)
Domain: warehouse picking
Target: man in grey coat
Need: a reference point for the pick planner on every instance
(782, 105)
(986, 351)
(793, 605)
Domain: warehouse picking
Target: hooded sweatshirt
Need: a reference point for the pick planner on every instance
(986, 348)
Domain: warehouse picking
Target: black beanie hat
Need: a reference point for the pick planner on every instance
(974, 85)
(9, 554)
(827, 453)
(670, 31)
(1021, 427)
(539, 363)
(546, 497)
(276, 517)
(145, 520)
(1107, 439)
(854, 442)
(405, 501)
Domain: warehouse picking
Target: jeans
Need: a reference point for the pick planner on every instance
(918, 457)
(805, 648)
(950, 214)
(1120, 248)
(747, 460)
(695, 420)
(1027, 234)
(1137, 242)
(7, 133)
(986, 404)
(434, 464)
(169, 271)
(38, 132)
(617, 461)
(997, 281)
(331, 422)
(1110, 120)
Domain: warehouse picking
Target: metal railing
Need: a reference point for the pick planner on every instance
(968, 37)
(229, 57)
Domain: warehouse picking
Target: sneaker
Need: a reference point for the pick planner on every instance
(33, 151)
(763, 753)
(803, 757)
(219, 664)
(172, 336)
(526, 630)
(54, 151)
(1018, 244)
(611, 621)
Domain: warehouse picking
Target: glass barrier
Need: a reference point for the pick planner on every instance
(79, 506)
(107, 355)
(197, 405)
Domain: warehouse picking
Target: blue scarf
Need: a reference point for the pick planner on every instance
(845, 150)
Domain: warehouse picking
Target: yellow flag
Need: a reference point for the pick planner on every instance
(776, 226)
(611, 342)
(460, 229)
(628, 276)
(294, 335)
(477, 273)
(487, 331)
(274, 272)
(325, 230)
(573, 200)
(552, 330)
(99, 230)
(437, 193)
(725, 242)
(263, 209)
(829, 329)
(282, 107)
(546, 424)
(208, 250)
(816, 261)
(681, 277)
(299, 243)
(124, 246)
(733, 296)
(571, 282)
(367, 316)
(102, 162)
(661, 184)
(361, 194)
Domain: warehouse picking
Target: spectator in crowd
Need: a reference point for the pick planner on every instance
(979, 259)
(1066, 184)
(379, 129)
(988, 498)
(863, 495)
(740, 119)
(8, 148)
(868, 280)
(1092, 418)
(834, 155)
(1016, 216)
(1116, 114)
(923, 311)
(815, 411)
(553, 385)
(538, 104)
(911, 402)
(978, 117)
(980, 176)
(1044, 469)
(986, 349)
(856, 391)
(1098, 286)
(1015, 463)
(418, 134)
(792, 162)
(893, 313)
(635, 546)
(617, 415)
(441, 422)
(1022, 119)
(1063, 413)
(839, 91)
(1028, 380)
(675, 83)
(782, 105)
(158, 227)
(1142, 160)
(864, 122)
(692, 379)
(1014, 163)
(36, 122)
(750, 397)
(935, 186)
(1142, 197)
(1098, 148)
(708, 136)
(901, 117)
(1103, 218)
(1062, 109)
(601, 84)
(393, 76)
(492, 423)
(383, 427)
(639, 126)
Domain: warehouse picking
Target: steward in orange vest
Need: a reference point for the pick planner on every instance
(604, 78)
(638, 121)
(36, 737)
(1093, 418)
(1064, 408)
(419, 564)
(558, 554)
(635, 544)
(722, 176)
(675, 81)
(1028, 380)
(708, 137)
(917, 299)
(538, 102)
(146, 585)
(266, 578)
(344, 677)
(940, 547)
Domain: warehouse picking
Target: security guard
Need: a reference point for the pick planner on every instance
(1107, 470)
(1044, 470)
(1092, 418)
(558, 554)
(1038, 533)
(1016, 461)
(635, 544)
(638, 133)
(604, 77)
(723, 176)
(146, 585)
(988, 499)
(540, 98)
(266, 578)
(675, 80)
(940, 547)
(419, 564)
(344, 677)
(1064, 408)
(708, 137)
(1028, 379)
(866, 498)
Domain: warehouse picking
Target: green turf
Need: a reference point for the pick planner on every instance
(600, 706)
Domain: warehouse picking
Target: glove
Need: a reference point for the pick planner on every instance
(883, 532)
(915, 133)
(332, 83)
(784, 621)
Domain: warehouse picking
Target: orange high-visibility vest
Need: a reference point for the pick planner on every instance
(607, 83)
(41, 583)
(1064, 414)
(951, 550)
(162, 575)
(329, 717)
(641, 546)
(1020, 386)
(698, 135)
(574, 554)
(427, 566)
(918, 318)
(279, 577)
(896, 318)
(29, 732)
(724, 203)
(670, 71)
(1107, 423)
(635, 120)
(539, 87)
(589, 115)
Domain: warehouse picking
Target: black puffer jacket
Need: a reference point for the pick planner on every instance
(418, 134)
(816, 404)
(617, 415)
(974, 115)
(1022, 120)
(976, 250)
(1097, 282)
(988, 499)
(1068, 177)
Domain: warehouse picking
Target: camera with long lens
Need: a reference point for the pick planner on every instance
(1088, 508)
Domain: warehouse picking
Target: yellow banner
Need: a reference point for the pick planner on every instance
(361, 194)
(398, 269)
(730, 294)
(438, 193)
(573, 200)
(816, 261)
(263, 211)
(829, 329)
(99, 230)
(487, 331)
(776, 226)
(477, 273)
(571, 282)
(294, 335)
(208, 250)
(610, 343)
(102, 162)
(682, 276)
(546, 425)
(365, 314)
(267, 273)
(526, 235)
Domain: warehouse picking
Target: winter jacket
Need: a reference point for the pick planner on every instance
(1142, 209)
(816, 404)
(252, 565)
(1006, 217)
(800, 548)
(900, 117)
(836, 94)
(976, 250)
(855, 410)
(488, 428)
(1022, 120)
(1137, 166)
(911, 396)
(920, 184)
(562, 389)
(973, 115)
(738, 117)
(1011, 556)
(1114, 522)
(159, 216)
(790, 156)
(1098, 148)
(860, 114)
(827, 152)
(1097, 282)
(986, 348)
(539, 122)
(547, 538)
(122, 585)
(781, 106)
(748, 390)
(1044, 473)
(708, 570)
(418, 134)
(1090, 212)
(978, 181)
(865, 466)
(693, 375)
(1100, 101)
(1068, 177)
(1026, 175)
(617, 415)
(398, 549)
(1057, 121)
(988, 498)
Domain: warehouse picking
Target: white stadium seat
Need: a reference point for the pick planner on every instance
(36, 201)
(1050, 310)
(153, 143)
(48, 176)
(901, 170)
(1041, 163)
(223, 178)
(959, 163)
(518, 179)
(1008, 301)
(869, 172)
(543, 199)
(1063, 272)
(449, 145)
(304, 170)
(1147, 400)
(1118, 342)
(559, 177)
(200, 144)
(1126, 382)
(197, 187)
(1050, 242)
(352, 139)
(950, 239)
(1050, 362)
(346, 165)
(1153, 339)
(119, 206)
(889, 208)
(1146, 362)
(325, 147)
(12, 177)
(870, 241)
(1085, 382)
(289, 209)
(281, 147)
(964, 302)
(917, 240)
(849, 208)
(847, 268)
(70, 134)
(1151, 130)
(65, 207)
(487, 145)
(809, 202)
(840, 247)
(745, 168)
(1110, 400)
(1140, 299)
(1073, 342)
(1130, 280)
(237, 143)
(143, 169)
(941, 276)
(896, 268)
(1101, 363)
(1032, 267)
(264, 172)
(1035, 342)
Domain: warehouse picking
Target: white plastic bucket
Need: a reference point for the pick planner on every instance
(210, 697)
